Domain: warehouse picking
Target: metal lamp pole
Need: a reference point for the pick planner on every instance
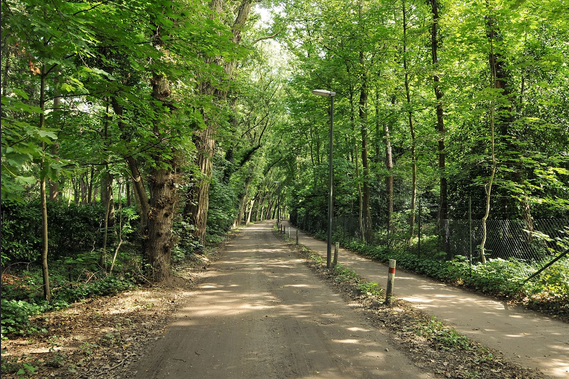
(330, 94)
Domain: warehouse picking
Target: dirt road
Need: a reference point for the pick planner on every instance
(261, 313)
(525, 337)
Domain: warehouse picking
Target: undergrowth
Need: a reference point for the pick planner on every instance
(502, 278)
(71, 280)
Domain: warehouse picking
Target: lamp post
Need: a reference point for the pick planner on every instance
(278, 202)
(330, 94)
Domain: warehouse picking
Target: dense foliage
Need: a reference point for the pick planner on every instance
(133, 132)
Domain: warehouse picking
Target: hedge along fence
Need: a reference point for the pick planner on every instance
(72, 229)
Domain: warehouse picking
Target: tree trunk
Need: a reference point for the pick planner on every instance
(197, 204)
(43, 195)
(356, 161)
(108, 203)
(389, 177)
(54, 185)
(84, 189)
(488, 187)
(162, 180)
(134, 169)
(411, 129)
(158, 243)
(76, 191)
(443, 198)
(367, 227)
(90, 199)
(250, 211)
(504, 116)
(242, 209)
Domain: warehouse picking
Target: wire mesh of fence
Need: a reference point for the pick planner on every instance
(535, 242)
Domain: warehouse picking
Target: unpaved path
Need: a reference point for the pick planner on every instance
(526, 337)
(261, 313)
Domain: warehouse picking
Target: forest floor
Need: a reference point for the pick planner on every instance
(113, 337)
(99, 336)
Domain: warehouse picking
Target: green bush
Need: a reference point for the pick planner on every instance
(72, 229)
(16, 316)
(110, 285)
(498, 277)
(20, 232)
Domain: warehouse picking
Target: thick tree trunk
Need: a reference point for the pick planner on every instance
(162, 182)
(158, 243)
(197, 202)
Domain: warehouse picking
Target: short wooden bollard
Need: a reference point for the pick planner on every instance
(336, 248)
(297, 236)
(390, 280)
(289, 232)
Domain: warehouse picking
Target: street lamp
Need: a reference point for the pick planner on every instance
(330, 94)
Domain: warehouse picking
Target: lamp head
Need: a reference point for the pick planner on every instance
(323, 92)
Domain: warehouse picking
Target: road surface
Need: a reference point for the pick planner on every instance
(529, 338)
(261, 313)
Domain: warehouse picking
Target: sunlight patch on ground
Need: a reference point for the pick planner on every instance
(350, 341)
(356, 329)
(417, 299)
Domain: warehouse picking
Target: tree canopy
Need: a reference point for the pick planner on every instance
(201, 114)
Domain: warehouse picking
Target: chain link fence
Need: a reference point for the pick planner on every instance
(535, 242)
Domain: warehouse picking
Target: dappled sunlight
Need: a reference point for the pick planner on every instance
(299, 286)
(356, 329)
(493, 323)
(350, 341)
(258, 291)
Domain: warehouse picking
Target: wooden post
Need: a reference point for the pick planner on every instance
(297, 236)
(336, 248)
(390, 280)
